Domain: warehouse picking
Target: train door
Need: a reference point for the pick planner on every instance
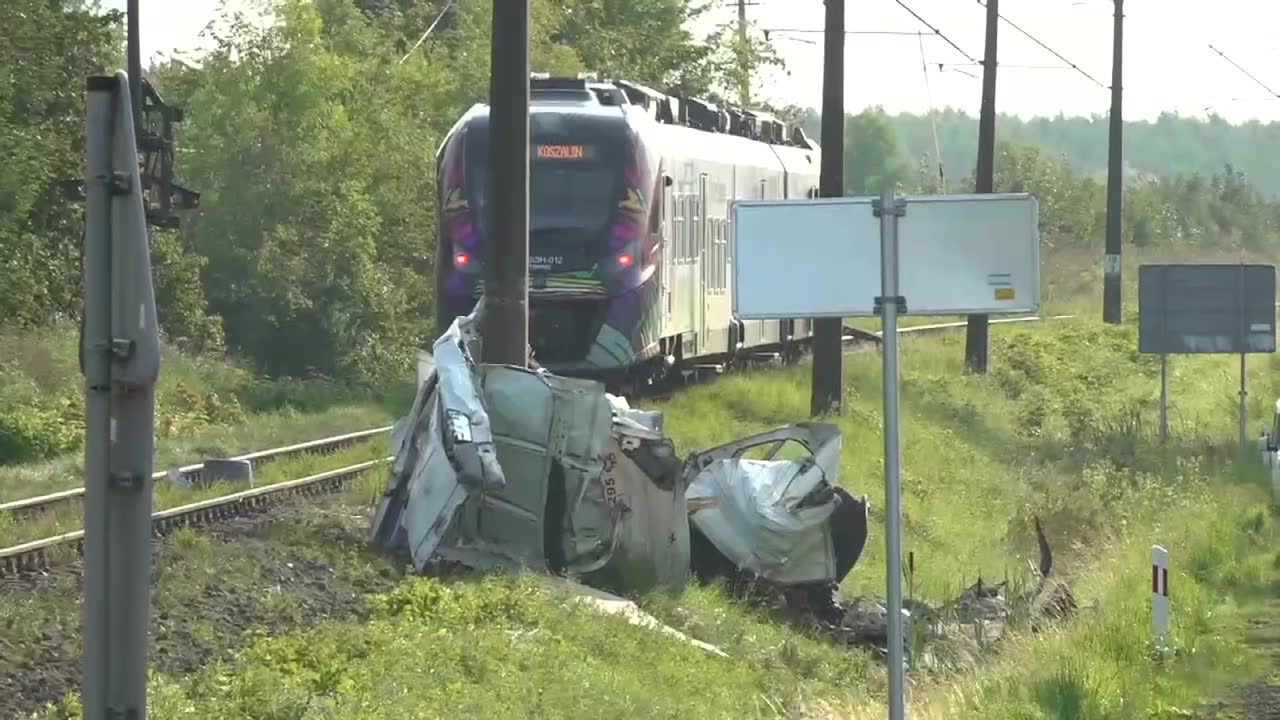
(669, 222)
(686, 296)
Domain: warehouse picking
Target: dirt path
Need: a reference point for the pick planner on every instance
(1259, 700)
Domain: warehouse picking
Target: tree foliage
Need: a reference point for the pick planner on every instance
(1171, 145)
(313, 137)
(46, 51)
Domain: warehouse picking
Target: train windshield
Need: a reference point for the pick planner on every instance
(575, 178)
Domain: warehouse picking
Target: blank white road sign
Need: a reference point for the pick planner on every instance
(957, 255)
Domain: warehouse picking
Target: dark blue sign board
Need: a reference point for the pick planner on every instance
(1206, 309)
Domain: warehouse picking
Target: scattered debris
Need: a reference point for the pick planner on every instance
(217, 470)
(611, 604)
(1053, 598)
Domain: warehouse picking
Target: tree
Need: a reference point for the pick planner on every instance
(871, 154)
(308, 141)
(734, 62)
(47, 48)
(646, 41)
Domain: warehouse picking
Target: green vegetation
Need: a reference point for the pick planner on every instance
(1207, 208)
(1170, 146)
(1062, 428)
(207, 406)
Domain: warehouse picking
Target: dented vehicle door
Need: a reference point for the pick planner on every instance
(786, 521)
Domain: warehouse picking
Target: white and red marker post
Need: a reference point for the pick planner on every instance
(1161, 615)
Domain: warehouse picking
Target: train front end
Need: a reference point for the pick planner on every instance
(593, 237)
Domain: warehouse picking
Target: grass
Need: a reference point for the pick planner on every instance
(258, 431)
(1062, 427)
(206, 407)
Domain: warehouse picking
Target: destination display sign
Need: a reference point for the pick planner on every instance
(563, 152)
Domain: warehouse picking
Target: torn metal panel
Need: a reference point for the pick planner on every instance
(644, 482)
(550, 434)
(773, 517)
(444, 443)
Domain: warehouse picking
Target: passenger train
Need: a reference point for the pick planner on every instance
(629, 227)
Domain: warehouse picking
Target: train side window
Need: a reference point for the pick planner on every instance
(655, 212)
(715, 254)
(724, 254)
(720, 254)
(686, 210)
(725, 262)
(677, 223)
(697, 227)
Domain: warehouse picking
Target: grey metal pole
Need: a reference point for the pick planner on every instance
(134, 45)
(977, 340)
(828, 363)
(1244, 409)
(97, 373)
(505, 324)
(744, 82)
(890, 210)
(121, 355)
(1112, 299)
(1164, 399)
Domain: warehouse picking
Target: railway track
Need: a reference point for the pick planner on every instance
(854, 339)
(37, 554)
(191, 474)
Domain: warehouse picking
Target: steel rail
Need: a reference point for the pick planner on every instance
(34, 555)
(192, 473)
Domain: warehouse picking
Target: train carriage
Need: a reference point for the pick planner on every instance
(629, 242)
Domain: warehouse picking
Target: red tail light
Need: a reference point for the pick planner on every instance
(461, 260)
(626, 260)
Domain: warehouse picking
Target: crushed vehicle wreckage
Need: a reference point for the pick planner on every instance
(504, 467)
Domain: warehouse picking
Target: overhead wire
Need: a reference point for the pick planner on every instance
(935, 30)
(429, 29)
(908, 33)
(1055, 53)
(1246, 72)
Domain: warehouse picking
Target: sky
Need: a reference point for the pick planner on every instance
(1169, 65)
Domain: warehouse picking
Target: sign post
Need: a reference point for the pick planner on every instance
(1164, 398)
(888, 208)
(1207, 309)
(1161, 610)
(936, 255)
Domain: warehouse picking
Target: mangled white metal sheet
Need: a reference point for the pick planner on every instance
(772, 517)
(443, 443)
